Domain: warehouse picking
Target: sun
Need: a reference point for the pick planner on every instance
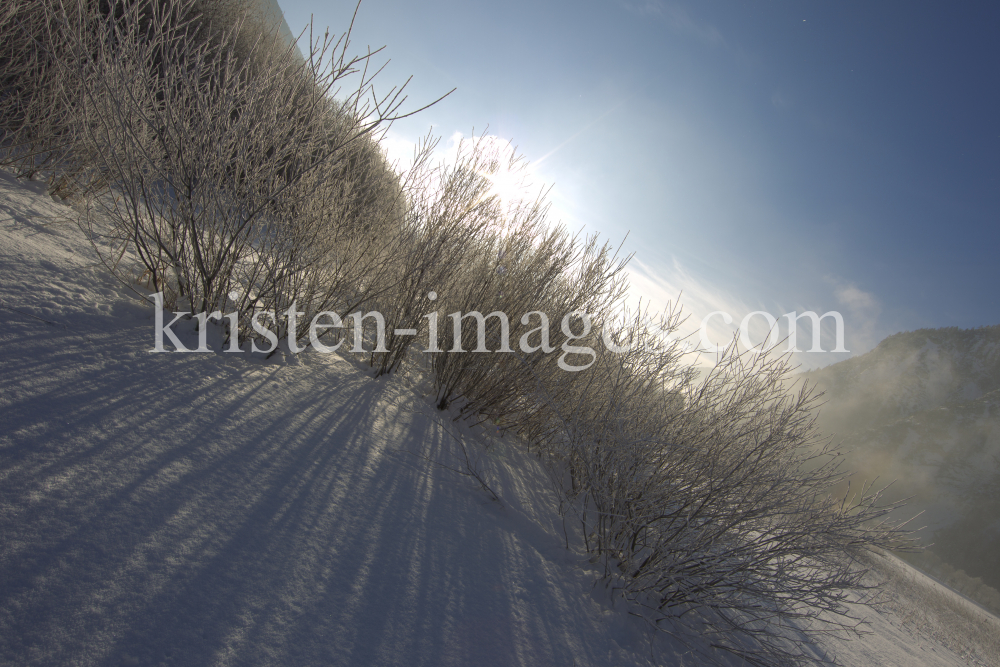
(509, 185)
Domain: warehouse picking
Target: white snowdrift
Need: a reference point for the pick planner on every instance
(201, 509)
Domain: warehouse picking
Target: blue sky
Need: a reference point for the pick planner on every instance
(774, 156)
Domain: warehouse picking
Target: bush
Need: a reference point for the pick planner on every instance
(708, 502)
(39, 123)
(233, 170)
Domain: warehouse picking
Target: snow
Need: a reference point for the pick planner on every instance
(205, 509)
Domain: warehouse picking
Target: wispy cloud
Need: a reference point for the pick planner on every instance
(656, 287)
(862, 311)
(578, 133)
(701, 297)
(859, 301)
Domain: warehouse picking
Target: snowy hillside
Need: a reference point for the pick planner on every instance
(201, 509)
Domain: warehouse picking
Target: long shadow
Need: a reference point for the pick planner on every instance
(190, 510)
(186, 509)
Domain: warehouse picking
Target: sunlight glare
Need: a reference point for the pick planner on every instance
(509, 185)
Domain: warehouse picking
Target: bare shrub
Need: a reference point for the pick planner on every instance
(533, 274)
(500, 260)
(341, 238)
(235, 170)
(39, 114)
(447, 211)
(709, 502)
(465, 246)
(40, 92)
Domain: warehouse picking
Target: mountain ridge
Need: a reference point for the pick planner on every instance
(923, 409)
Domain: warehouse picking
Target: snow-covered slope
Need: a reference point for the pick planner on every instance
(201, 509)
